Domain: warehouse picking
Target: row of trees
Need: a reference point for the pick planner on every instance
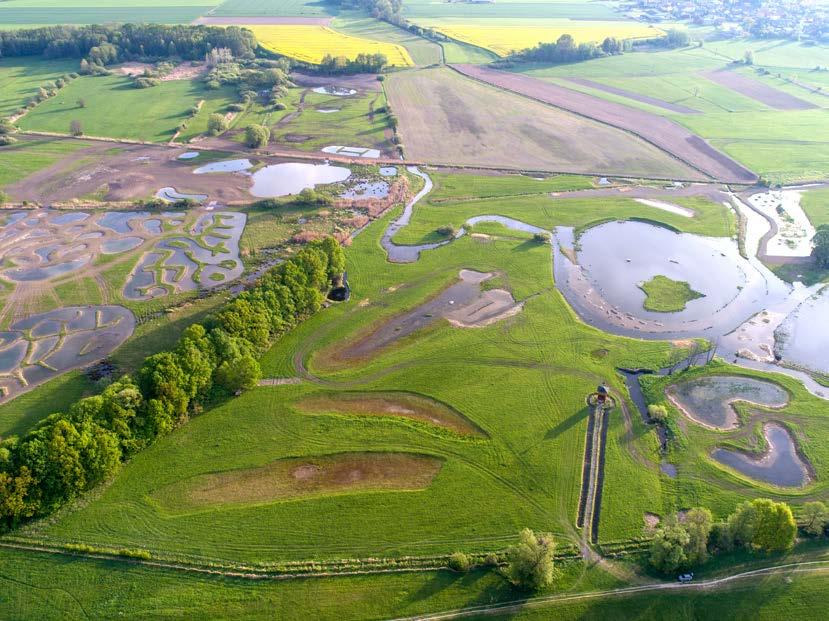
(108, 44)
(565, 50)
(760, 524)
(363, 63)
(69, 453)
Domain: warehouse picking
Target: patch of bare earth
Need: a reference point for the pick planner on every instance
(657, 130)
(313, 476)
(392, 404)
(758, 91)
(184, 71)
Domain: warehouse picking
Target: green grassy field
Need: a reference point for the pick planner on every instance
(45, 12)
(156, 112)
(451, 186)
(506, 480)
(355, 125)
(816, 205)
(787, 146)
(20, 79)
(21, 159)
(268, 8)
(664, 295)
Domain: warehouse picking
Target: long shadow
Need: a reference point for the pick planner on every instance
(567, 423)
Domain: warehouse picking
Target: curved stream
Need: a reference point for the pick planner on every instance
(741, 321)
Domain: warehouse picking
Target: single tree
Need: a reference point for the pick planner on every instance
(257, 136)
(216, 124)
(748, 57)
(775, 528)
(698, 523)
(669, 547)
(815, 516)
(75, 128)
(530, 563)
(820, 252)
(459, 562)
(81, 102)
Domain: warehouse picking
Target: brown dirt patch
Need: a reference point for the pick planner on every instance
(758, 91)
(651, 521)
(653, 101)
(308, 476)
(657, 130)
(184, 71)
(391, 404)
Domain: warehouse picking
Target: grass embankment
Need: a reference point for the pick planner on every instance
(816, 205)
(664, 295)
(114, 108)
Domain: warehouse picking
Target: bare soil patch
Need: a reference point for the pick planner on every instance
(391, 404)
(758, 91)
(447, 119)
(184, 71)
(361, 81)
(463, 304)
(653, 101)
(263, 21)
(302, 477)
(657, 130)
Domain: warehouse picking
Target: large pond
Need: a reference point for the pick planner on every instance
(292, 178)
(780, 465)
(709, 400)
(801, 340)
(227, 166)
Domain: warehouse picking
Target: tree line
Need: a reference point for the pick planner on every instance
(69, 453)
(105, 44)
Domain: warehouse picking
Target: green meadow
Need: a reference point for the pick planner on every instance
(20, 79)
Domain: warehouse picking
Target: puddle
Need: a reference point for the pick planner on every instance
(352, 151)
(45, 273)
(366, 190)
(189, 155)
(668, 468)
(227, 166)
(69, 218)
(114, 246)
(292, 178)
(334, 90)
(388, 171)
(118, 221)
(153, 226)
(781, 465)
(328, 110)
(171, 195)
(708, 400)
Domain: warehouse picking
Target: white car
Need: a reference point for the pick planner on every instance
(686, 577)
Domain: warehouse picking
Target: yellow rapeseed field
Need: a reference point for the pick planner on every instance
(309, 43)
(503, 39)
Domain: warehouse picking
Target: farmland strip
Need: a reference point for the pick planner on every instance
(657, 130)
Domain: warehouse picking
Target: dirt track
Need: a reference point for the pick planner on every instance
(758, 91)
(659, 131)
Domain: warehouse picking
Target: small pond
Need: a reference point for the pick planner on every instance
(780, 465)
(708, 400)
(171, 195)
(292, 178)
(44, 273)
(69, 218)
(327, 110)
(189, 155)
(367, 189)
(122, 244)
(118, 221)
(388, 171)
(227, 166)
(334, 90)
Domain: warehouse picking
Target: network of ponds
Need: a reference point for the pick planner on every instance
(752, 316)
(45, 345)
(41, 245)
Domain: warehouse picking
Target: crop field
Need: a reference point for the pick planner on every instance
(511, 35)
(269, 8)
(786, 145)
(448, 119)
(162, 108)
(311, 43)
(422, 51)
(429, 9)
(45, 12)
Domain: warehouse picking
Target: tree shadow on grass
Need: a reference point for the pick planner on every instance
(494, 589)
(567, 423)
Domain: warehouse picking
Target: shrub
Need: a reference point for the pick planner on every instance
(216, 124)
(280, 106)
(459, 561)
(530, 563)
(6, 140)
(541, 238)
(146, 82)
(4, 198)
(75, 128)
(257, 136)
(236, 107)
(447, 231)
(658, 413)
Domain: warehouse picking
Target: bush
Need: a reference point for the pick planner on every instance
(459, 561)
(446, 231)
(146, 82)
(257, 136)
(541, 238)
(658, 413)
(216, 124)
(75, 128)
(236, 107)
(280, 106)
(6, 140)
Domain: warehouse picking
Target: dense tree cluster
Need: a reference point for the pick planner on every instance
(565, 50)
(69, 453)
(387, 10)
(363, 63)
(105, 45)
(760, 524)
(820, 253)
(530, 563)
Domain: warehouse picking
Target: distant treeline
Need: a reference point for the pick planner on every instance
(69, 453)
(387, 10)
(565, 49)
(363, 63)
(106, 44)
